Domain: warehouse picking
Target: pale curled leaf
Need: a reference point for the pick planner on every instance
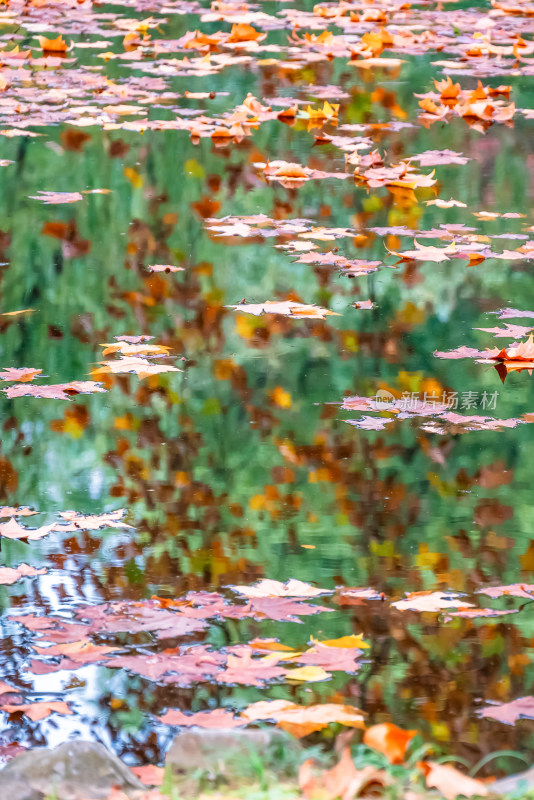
(286, 308)
(273, 588)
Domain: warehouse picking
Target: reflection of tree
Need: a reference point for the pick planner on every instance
(224, 477)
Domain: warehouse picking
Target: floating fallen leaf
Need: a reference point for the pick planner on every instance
(9, 575)
(446, 203)
(59, 391)
(20, 374)
(57, 46)
(37, 711)
(12, 511)
(287, 308)
(476, 613)
(426, 253)
(352, 640)
(509, 713)
(327, 112)
(136, 364)
(523, 590)
(308, 674)
(133, 349)
(82, 651)
(271, 645)
(356, 596)
(242, 668)
(515, 358)
(303, 720)
(54, 198)
(164, 268)
(13, 530)
(93, 522)
(430, 601)
(218, 718)
(345, 659)
(272, 588)
(282, 608)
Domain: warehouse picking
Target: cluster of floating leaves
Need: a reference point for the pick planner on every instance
(63, 643)
(70, 521)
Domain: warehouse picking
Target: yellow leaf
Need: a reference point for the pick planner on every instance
(57, 45)
(308, 675)
(344, 641)
(270, 644)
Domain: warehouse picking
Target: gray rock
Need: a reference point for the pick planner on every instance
(229, 751)
(17, 790)
(72, 771)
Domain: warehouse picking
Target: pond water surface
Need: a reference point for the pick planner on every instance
(244, 465)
